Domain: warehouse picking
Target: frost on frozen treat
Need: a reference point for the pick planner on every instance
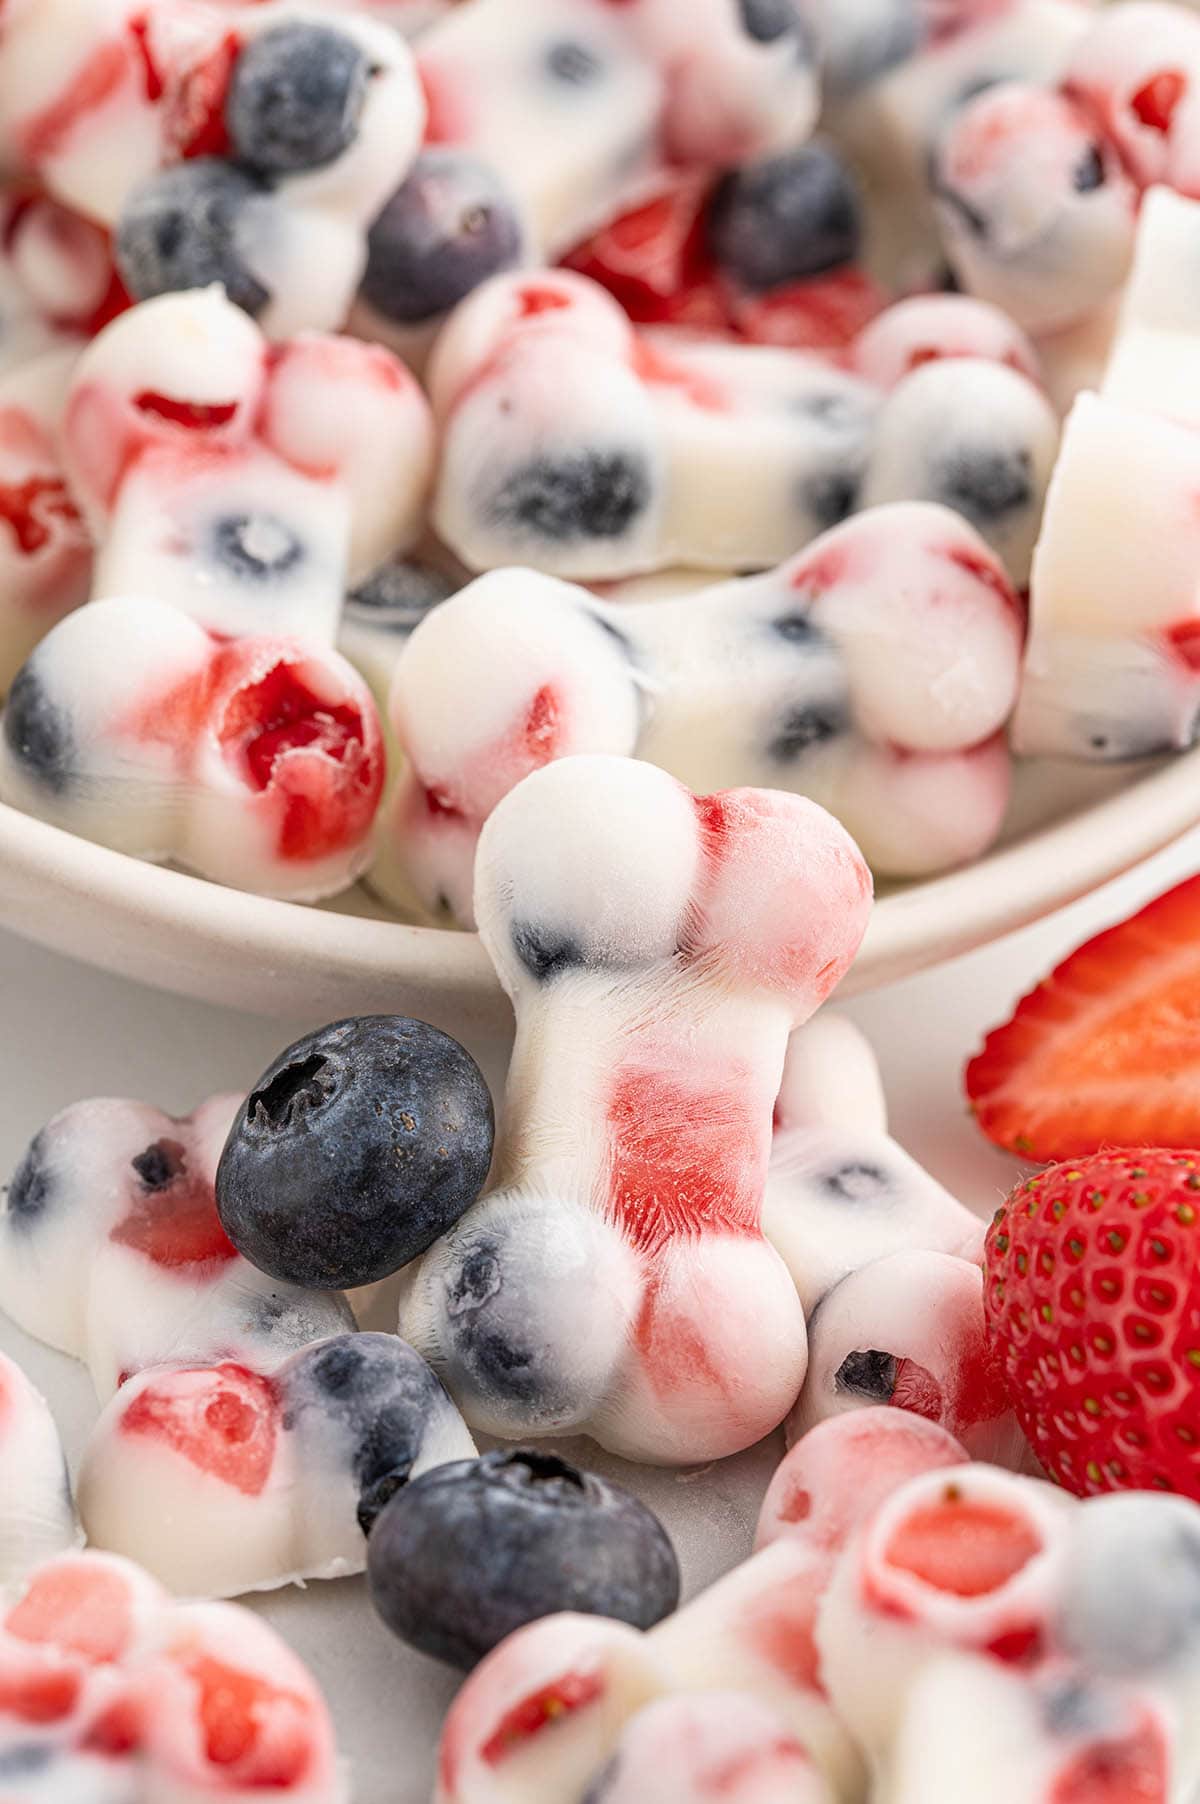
(873, 672)
(113, 1693)
(659, 948)
(37, 1517)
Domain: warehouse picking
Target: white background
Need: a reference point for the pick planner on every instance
(70, 1032)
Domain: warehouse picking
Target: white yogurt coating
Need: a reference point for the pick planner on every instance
(658, 950)
(155, 1702)
(37, 1517)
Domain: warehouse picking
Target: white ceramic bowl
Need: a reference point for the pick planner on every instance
(1071, 829)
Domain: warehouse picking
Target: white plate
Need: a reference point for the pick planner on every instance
(1071, 828)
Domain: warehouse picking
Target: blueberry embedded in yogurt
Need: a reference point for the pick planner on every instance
(357, 1148)
(475, 1549)
(785, 218)
(190, 225)
(447, 228)
(296, 97)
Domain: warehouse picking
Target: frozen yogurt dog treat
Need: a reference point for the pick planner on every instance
(111, 1249)
(1036, 209)
(570, 1703)
(928, 328)
(841, 1193)
(116, 1694)
(620, 93)
(239, 490)
(891, 124)
(257, 762)
(221, 1479)
(45, 548)
(248, 485)
(1110, 669)
(574, 443)
(874, 672)
(579, 1294)
(979, 1585)
(37, 1518)
(293, 127)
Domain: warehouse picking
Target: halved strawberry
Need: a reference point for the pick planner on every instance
(1106, 1050)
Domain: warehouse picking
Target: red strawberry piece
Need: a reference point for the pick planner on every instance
(222, 1421)
(1106, 1050)
(824, 313)
(1092, 1305)
(653, 258)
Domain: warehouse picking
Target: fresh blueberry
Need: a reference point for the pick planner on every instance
(357, 1148)
(369, 1402)
(472, 1550)
(397, 596)
(1131, 1601)
(447, 229)
(985, 484)
(32, 1184)
(573, 496)
(797, 629)
(296, 98)
(38, 733)
(785, 218)
(869, 1374)
(255, 548)
(183, 228)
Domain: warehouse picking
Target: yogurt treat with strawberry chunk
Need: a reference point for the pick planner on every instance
(574, 443)
(580, 1293)
(874, 673)
(235, 490)
(37, 1518)
(113, 1693)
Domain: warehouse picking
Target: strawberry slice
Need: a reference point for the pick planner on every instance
(654, 259)
(1106, 1050)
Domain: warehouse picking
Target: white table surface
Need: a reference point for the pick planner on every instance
(69, 1032)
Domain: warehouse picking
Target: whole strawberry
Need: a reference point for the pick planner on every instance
(1092, 1303)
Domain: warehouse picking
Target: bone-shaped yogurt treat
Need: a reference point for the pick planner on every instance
(691, 935)
(569, 1701)
(37, 1517)
(1136, 71)
(111, 1692)
(977, 1594)
(247, 484)
(220, 1479)
(238, 489)
(293, 126)
(874, 672)
(111, 1249)
(1111, 667)
(553, 120)
(574, 443)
